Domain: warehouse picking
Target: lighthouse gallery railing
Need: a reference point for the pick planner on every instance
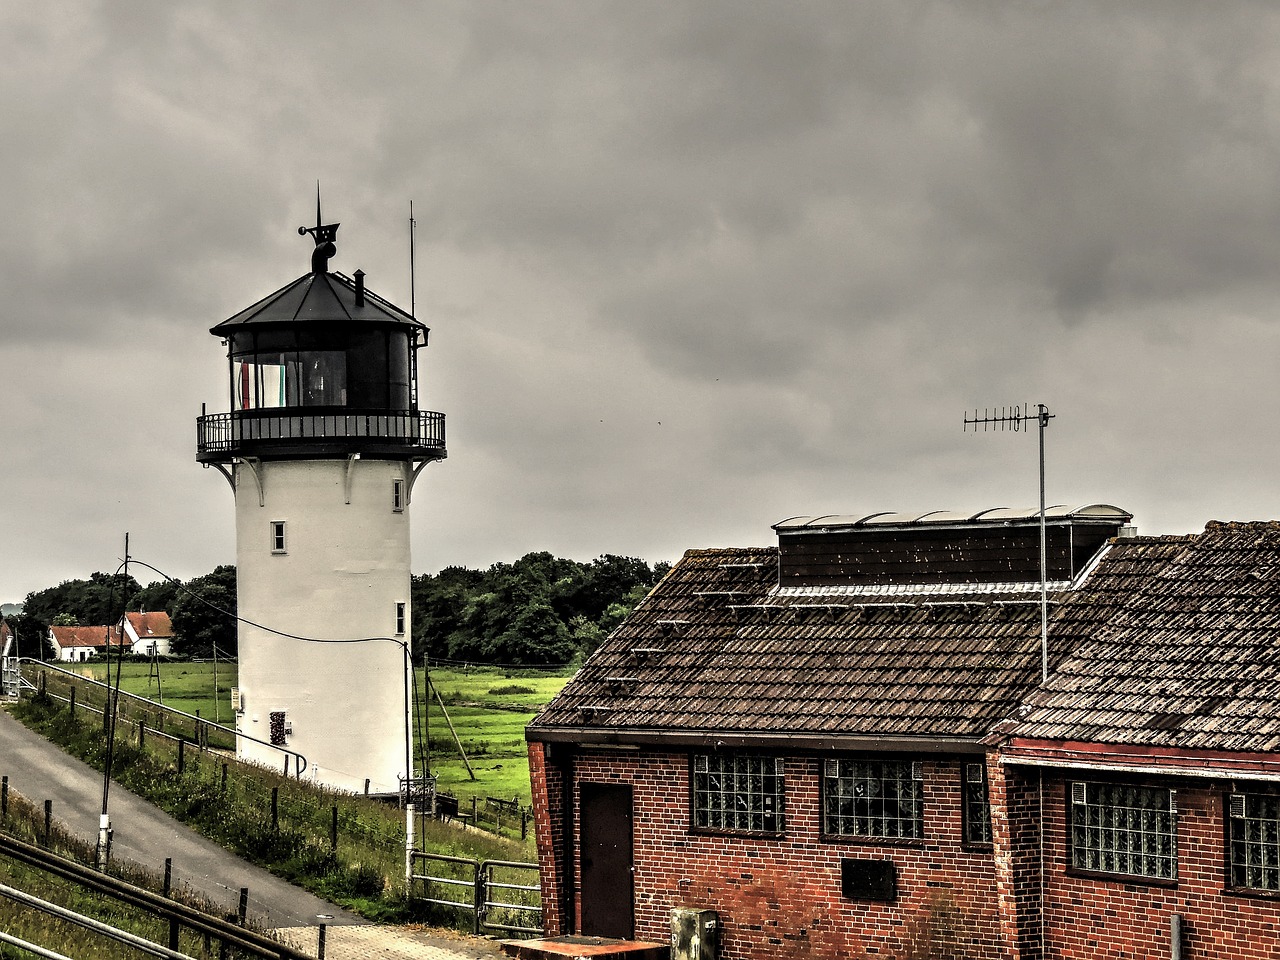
(224, 432)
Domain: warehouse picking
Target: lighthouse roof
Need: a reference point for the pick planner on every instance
(318, 298)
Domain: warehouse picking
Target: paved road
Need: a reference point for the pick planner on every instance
(41, 771)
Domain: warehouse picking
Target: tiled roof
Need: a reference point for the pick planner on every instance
(154, 624)
(85, 636)
(716, 648)
(1175, 642)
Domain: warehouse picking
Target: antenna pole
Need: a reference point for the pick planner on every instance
(412, 224)
(1043, 418)
(1013, 418)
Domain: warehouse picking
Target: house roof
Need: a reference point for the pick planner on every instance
(86, 636)
(1174, 642)
(153, 624)
(717, 651)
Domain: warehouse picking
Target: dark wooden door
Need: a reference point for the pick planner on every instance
(608, 894)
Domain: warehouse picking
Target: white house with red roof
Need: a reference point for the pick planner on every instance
(148, 634)
(74, 644)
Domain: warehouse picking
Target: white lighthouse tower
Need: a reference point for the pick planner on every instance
(322, 444)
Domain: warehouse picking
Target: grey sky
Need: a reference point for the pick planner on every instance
(690, 268)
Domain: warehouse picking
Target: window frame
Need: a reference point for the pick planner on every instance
(737, 766)
(279, 538)
(402, 617)
(398, 502)
(874, 770)
(968, 802)
(1166, 808)
(1231, 820)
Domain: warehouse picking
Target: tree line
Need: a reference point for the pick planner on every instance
(539, 610)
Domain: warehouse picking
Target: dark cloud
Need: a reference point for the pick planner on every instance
(690, 267)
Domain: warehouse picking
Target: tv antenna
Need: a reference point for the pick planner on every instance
(1017, 418)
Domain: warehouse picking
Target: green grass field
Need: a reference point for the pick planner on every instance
(489, 708)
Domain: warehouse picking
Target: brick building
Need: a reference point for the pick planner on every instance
(844, 746)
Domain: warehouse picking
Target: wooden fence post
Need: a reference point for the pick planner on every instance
(4, 799)
(244, 904)
(168, 889)
(71, 703)
(275, 808)
(142, 730)
(224, 778)
(333, 829)
(182, 755)
(48, 821)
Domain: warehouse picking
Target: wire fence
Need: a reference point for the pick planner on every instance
(303, 830)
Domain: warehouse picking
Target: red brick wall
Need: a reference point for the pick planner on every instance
(546, 780)
(1101, 919)
(781, 897)
(1015, 831)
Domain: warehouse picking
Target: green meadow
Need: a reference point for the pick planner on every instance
(488, 707)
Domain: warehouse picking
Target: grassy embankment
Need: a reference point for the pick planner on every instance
(231, 803)
(23, 821)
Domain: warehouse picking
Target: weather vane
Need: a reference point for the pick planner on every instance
(1013, 418)
(324, 234)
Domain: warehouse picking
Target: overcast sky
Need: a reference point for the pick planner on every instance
(690, 267)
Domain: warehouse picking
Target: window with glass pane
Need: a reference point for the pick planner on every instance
(873, 798)
(1255, 841)
(1120, 828)
(977, 807)
(738, 793)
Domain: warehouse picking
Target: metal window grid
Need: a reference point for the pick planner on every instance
(977, 806)
(873, 798)
(738, 792)
(1255, 841)
(1121, 828)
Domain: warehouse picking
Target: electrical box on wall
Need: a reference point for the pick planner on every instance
(695, 934)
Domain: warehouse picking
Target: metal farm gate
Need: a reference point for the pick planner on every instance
(491, 890)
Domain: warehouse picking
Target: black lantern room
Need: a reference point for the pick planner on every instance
(322, 368)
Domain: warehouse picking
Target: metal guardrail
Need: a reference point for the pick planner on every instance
(224, 432)
(247, 941)
(299, 760)
(485, 889)
(88, 923)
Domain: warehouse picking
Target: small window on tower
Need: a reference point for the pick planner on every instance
(277, 537)
(401, 608)
(397, 496)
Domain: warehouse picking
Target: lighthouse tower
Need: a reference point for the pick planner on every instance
(321, 446)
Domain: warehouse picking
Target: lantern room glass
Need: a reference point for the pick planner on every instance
(369, 369)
